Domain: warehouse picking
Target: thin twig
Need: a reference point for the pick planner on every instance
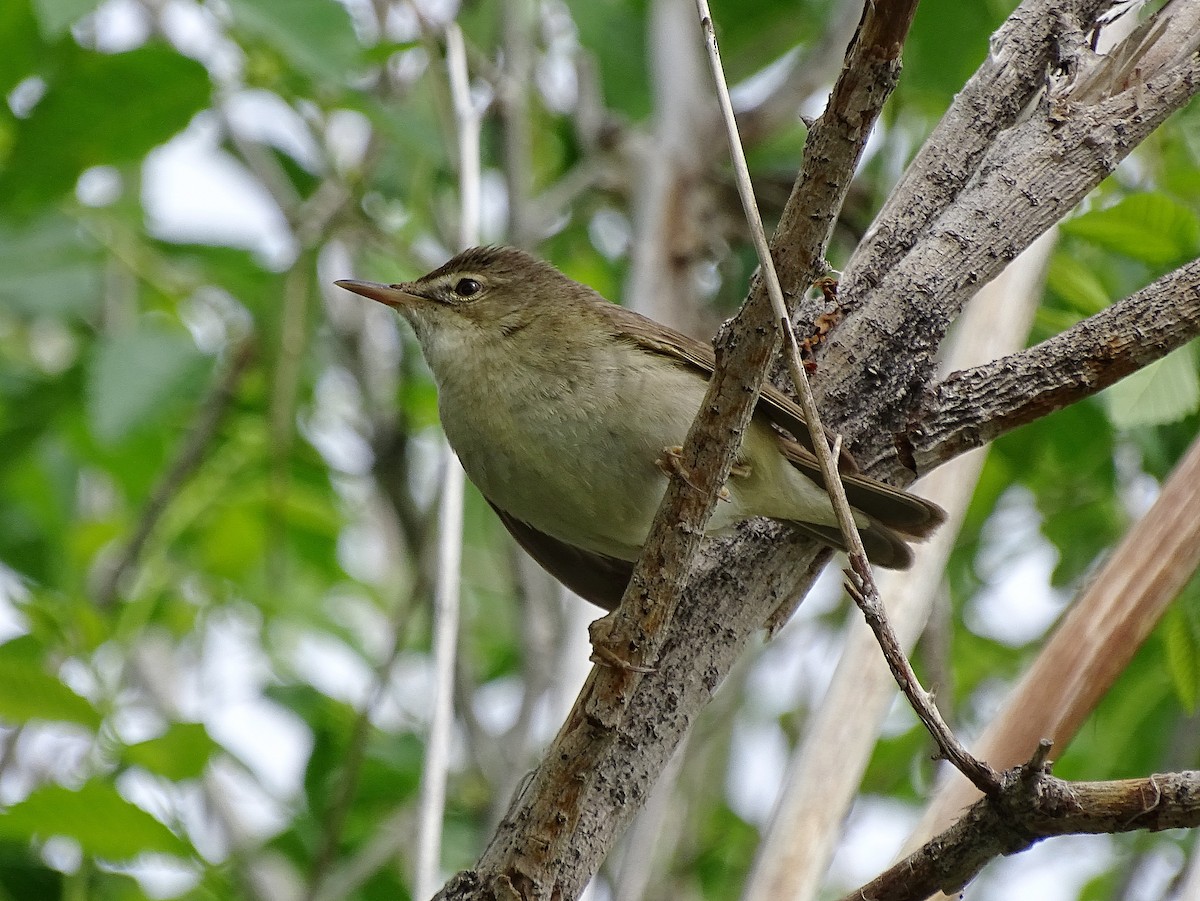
(190, 456)
(860, 582)
(1104, 627)
(446, 592)
(828, 763)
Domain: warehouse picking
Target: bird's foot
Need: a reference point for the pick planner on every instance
(607, 651)
(671, 463)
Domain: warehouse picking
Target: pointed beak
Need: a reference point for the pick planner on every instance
(391, 295)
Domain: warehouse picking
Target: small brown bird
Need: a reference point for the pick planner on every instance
(561, 407)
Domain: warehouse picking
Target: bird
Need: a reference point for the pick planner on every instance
(566, 410)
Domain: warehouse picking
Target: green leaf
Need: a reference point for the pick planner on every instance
(24, 875)
(615, 32)
(1077, 284)
(28, 692)
(314, 36)
(49, 267)
(54, 144)
(946, 44)
(234, 540)
(55, 17)
(96, 816)
(182, 752)
(134, 377)
(22, 45)
(1183, 656)
(1165, 391)
(1152, 228)
(1067, 461)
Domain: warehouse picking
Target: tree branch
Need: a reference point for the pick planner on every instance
(974, 406)
(616, 741)
(1095, 641)
(1021, 52)
(1033, 805)
(860, 582)
(827, 764)
(1032, 175)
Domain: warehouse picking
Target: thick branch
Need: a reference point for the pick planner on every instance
(1021, 52)
(1035, 806)
(975, 406)
(1031, 177)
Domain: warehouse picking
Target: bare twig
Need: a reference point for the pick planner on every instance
(828, 763)
(860, 581)
(1032, 805)
(187, 460)
(1097, 639)
(446, 593)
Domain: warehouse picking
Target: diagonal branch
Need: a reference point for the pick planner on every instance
(1021, 53)
(974, 406)
(1032, 176)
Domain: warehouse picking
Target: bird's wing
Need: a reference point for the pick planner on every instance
(658, 338)
(891, 507)
(594, 577)
(887, 505)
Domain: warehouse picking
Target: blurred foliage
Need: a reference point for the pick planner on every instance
(200, 732)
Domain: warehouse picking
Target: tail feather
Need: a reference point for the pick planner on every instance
(883, 546)
(890, 507)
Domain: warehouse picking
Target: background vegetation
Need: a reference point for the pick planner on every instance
(218, 474)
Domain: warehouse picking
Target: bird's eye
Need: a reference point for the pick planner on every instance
(466, 287)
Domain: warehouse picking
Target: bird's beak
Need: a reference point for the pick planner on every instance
(393, 295)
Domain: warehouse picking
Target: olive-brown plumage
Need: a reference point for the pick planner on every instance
(560, 406)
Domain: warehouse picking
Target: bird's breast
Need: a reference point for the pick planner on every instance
(573, 456)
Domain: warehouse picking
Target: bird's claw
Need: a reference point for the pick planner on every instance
(671, 463)
(610, 653)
